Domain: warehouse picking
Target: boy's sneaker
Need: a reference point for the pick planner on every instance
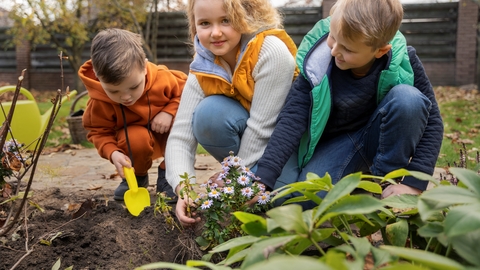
(164, 186)
(142, 181)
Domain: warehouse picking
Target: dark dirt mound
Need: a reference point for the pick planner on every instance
(100, 234)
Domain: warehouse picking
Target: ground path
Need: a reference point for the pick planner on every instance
(85, 171)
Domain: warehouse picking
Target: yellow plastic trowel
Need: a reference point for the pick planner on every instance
(136, 198)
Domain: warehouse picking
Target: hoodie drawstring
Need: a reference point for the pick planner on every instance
(125, 126)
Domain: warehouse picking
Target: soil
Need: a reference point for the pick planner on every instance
(72, 217)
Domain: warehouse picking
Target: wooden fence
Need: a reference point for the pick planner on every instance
(431, 28)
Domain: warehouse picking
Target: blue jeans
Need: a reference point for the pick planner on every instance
(218, 125)
(384, 144)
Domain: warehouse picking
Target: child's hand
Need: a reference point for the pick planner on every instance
(214, 180)
(399, 189)
(120, 160)
(161, 122)
(181, 210)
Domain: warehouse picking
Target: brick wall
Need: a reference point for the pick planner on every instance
(466, 58)
(50, 80)
(22, 56)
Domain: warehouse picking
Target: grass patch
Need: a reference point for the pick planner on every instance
(461, 133)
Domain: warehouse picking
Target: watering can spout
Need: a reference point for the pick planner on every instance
(27, 123)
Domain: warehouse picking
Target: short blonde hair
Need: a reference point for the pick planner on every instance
(246, 16)
(115, 52)
(374, 22)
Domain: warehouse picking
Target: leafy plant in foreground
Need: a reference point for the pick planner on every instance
(439, 229)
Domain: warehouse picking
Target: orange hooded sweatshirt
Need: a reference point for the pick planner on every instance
(103, 117)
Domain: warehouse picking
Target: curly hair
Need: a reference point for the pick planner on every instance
(246, 16)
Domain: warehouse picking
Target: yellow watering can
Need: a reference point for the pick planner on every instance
(27, 123)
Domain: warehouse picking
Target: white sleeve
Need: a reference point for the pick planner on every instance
(181, 144)
(273, 76)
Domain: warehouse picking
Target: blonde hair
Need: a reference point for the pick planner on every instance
(115, 52)
(246, 16)
(375, 22)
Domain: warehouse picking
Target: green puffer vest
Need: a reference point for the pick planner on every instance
(313, 59)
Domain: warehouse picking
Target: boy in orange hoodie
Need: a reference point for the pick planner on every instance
(132, 105)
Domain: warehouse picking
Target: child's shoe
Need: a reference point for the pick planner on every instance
(142, 181)
(164, 186)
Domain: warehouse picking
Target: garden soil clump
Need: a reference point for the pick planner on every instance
(85, 228)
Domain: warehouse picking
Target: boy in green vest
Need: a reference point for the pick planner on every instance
(362, 103)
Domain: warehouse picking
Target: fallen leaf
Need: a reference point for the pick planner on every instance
(94, 187)
(84, 209)
(202, 167)
(7, 190)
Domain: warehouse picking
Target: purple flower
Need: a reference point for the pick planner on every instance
(264, 198)
(247, 192)
(243, 180)
(206, 204)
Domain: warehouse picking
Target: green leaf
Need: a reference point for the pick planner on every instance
(381, 257)
(206, 264)
(335, 259)
(402, 201)
(286, 263)
(370, 187)
(397, 174)
(431, 229)
(298, 246)
(265, 248)
(256, 228)
(235, 242)
(356, 204)
(441, 197)
(404, 265)
(424, 258)
(419, 175)
(245, 217)
(344, 187)
(462, 219)
(397, 233)
(468, 177)
(325, 181)
(57, 264)
(289, 217)
(237, 256)
(165, 265)
(467, 246)
(362, 247)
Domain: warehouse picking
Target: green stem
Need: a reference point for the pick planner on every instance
(449, 249)
(340, 233)
(428, 243)
(411, 240)
(317, 246)
(347, 226)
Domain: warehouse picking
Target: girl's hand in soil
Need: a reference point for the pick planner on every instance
(120, 160)
(399, 189)
(181, 210)
(161, 122)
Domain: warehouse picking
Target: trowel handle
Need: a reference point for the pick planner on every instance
(131, 179)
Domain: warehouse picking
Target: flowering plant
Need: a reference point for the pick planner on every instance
(235, 189)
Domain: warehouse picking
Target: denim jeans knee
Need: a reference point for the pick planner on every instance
(218, 125)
